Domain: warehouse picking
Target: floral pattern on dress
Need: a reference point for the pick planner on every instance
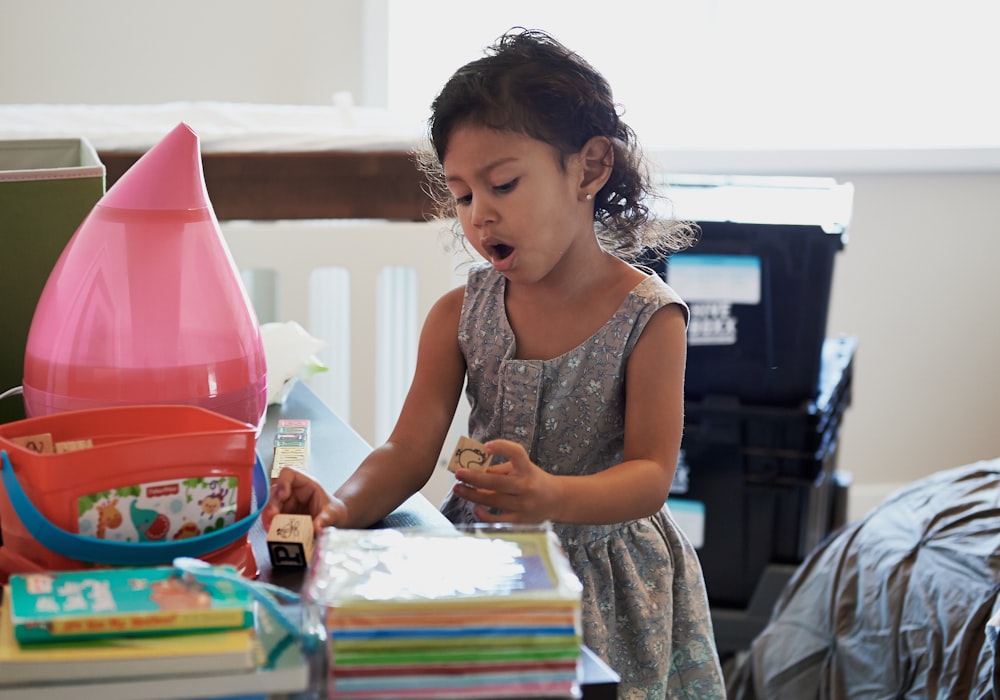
(645, 609)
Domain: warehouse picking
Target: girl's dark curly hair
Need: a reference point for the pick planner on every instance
(531, 84)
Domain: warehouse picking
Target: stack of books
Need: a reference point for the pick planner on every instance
(142, 632)
(485, 612)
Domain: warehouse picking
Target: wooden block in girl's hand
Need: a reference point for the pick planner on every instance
(290, 540)
(469, 454)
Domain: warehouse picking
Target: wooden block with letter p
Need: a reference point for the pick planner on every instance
(290, 540)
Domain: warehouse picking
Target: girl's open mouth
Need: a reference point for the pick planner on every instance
(502, 256)
(501, 251)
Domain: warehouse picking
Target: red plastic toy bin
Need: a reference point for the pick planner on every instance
(156, 482)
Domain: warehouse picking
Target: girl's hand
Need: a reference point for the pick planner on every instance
(515, 491)
(294, 491)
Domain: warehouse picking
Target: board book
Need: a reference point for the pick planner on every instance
(489, 612)
(123, 657)
(393, 570)
(126, 601)
(280, 667)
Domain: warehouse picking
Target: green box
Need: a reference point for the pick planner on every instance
(47, 188)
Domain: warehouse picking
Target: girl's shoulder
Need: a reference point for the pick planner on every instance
(654, 291)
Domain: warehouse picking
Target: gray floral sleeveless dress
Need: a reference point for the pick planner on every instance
(645, 610)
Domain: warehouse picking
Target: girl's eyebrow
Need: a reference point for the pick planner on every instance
(485, 169)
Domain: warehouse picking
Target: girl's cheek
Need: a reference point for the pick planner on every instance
(474, 240)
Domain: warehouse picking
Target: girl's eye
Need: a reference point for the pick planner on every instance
(507, 186)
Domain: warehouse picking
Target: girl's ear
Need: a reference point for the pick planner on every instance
(596, 159)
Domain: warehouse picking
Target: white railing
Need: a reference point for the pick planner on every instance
(363, 287)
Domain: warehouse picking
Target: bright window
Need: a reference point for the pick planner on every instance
(725, 74)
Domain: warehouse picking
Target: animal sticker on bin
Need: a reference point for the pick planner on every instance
(165, 510)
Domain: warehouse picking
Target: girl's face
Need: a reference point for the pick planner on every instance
(518, 207)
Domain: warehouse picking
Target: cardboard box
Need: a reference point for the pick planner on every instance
(47, 188)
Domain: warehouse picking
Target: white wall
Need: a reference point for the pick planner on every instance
(917, 281)
(144, 52)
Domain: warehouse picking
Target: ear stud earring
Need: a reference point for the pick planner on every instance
(589, 196)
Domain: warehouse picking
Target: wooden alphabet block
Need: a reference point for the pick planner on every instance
(469, 454)
(41, 443)
(73, 445)
(290, 540)
(291, 445)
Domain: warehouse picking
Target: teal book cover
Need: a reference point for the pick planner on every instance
(124, 601)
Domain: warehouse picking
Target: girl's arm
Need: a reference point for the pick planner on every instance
(396, 470)
(401, 466)
(638, 487)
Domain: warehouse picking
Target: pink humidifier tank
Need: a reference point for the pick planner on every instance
(145, 304)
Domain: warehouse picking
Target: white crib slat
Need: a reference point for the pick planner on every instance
(395, 353)
(329, 319)
(378, 365)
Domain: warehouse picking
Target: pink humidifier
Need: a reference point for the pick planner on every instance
(145, 304)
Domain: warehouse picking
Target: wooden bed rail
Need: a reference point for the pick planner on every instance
(268, 186)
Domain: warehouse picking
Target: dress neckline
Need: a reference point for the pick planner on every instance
(512, 347)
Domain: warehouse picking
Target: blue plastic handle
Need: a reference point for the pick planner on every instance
(91, 549)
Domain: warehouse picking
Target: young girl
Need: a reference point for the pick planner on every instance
(574, 360)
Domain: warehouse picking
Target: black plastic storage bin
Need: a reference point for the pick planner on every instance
(764, 477)
(780, 442)
(758, 283)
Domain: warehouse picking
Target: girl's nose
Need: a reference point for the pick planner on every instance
(483, 211)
